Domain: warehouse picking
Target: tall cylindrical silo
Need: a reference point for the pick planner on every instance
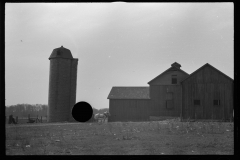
(62, 85)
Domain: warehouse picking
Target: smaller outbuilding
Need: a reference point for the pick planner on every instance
(129, 104)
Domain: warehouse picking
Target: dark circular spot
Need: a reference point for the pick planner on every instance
(82, 111)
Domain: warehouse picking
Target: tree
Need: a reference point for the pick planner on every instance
(22, 110)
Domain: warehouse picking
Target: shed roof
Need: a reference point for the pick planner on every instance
(169, 69)
(129, 93)
(206, 65)
(61, 52)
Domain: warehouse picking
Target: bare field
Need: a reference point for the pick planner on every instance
(121, 138)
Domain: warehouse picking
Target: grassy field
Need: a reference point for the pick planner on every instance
(168, 137)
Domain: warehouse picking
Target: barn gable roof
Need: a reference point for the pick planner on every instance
(129, 93)
(169, 69)
(206, 65)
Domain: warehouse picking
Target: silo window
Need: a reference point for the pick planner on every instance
(174, 79)
(216, 102)
(196, 102)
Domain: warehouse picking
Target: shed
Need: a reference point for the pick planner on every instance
(129, 103)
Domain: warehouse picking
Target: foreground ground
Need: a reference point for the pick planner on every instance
(120, 138)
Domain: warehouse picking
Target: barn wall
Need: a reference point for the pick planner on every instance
(166, 78)
(229, 89)
(158, 100)
(207, 85)
(128, 110)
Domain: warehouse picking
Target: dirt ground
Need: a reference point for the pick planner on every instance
(121, 138)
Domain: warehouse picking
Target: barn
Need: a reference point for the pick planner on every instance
(207, 94)
(165, 92)
(161, 98)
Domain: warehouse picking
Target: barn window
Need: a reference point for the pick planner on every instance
(174, 79)
(196, 102)
(216, 102)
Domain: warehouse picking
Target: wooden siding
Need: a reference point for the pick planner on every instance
(206, 93)
(166, 78)
(207, 85)
(128, 110)
(159, 100)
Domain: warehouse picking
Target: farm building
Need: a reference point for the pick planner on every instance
(165, 92)
(161, 98)
(175, 93)
(207, 94)
(62, 85)
(129, 104)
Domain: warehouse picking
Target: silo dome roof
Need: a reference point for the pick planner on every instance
(61, 52)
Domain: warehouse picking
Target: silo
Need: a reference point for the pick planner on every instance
(62, 85)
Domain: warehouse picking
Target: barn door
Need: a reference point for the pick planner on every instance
(169, 100)
(169, 104)
(217, 103)
(198, 106)
(198, 101)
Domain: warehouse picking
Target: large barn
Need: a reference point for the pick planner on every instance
(175, 93)
(207, 94)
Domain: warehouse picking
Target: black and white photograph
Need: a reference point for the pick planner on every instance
(119, 78)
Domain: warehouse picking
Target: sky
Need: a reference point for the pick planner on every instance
(117, 44)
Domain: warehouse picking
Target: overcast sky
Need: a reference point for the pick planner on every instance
(117, 44)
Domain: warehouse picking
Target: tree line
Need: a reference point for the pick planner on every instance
(23, 110)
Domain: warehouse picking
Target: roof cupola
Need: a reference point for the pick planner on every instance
(177, 65)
